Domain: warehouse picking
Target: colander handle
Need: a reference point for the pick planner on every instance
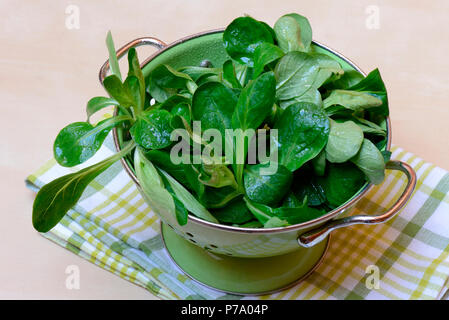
(132, 44)
(312, 237)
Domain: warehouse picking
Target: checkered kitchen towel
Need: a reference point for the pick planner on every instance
(114, 228)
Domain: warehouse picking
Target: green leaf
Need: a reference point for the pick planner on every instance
(243, 73)
(255, 102)
(173, 101)
(180, 210)
(184, 173)
(270, 29)
(305, 29)
(295, 73)
(297, 215)
(303, 130)
(293, 33)
(342, 182)
(387, 155)
(275, 222)
(264, 54)
(371, 161)
(345, 81)
(336, 111)
(182, 110)
(134, 70)
(254, 105)
(97, 103)
(133, 88)
(163, 82)
(113, 61)
(266, 188)
(118, 91)
(154, 191)
(208, 78)
(79, 141)
(291, 201)
(273, 116)
(312, 95)
(292, 215)
(307, 188)
(319, 163)
(329, 69)
(162, 160)
(369, 126)
(261, 212)
(235, 212)
(264, 214)
(241, 38)
(300, 74)
(152, 129)
(344, 141)
(192, 173)
(217, 176)
(219, 197)
(189, 201)
(230, 75)
(213, 104)
(250, 224)
(374, 85)
(352, 100)
(372, 82)
(58, 196)
(197, 72)
(381, 144)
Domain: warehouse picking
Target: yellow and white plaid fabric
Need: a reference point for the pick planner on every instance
(114, 228)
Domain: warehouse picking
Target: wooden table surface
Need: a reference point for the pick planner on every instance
(48, 71)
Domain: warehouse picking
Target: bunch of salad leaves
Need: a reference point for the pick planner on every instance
(330, 124)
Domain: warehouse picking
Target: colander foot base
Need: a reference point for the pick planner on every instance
(242, 276)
